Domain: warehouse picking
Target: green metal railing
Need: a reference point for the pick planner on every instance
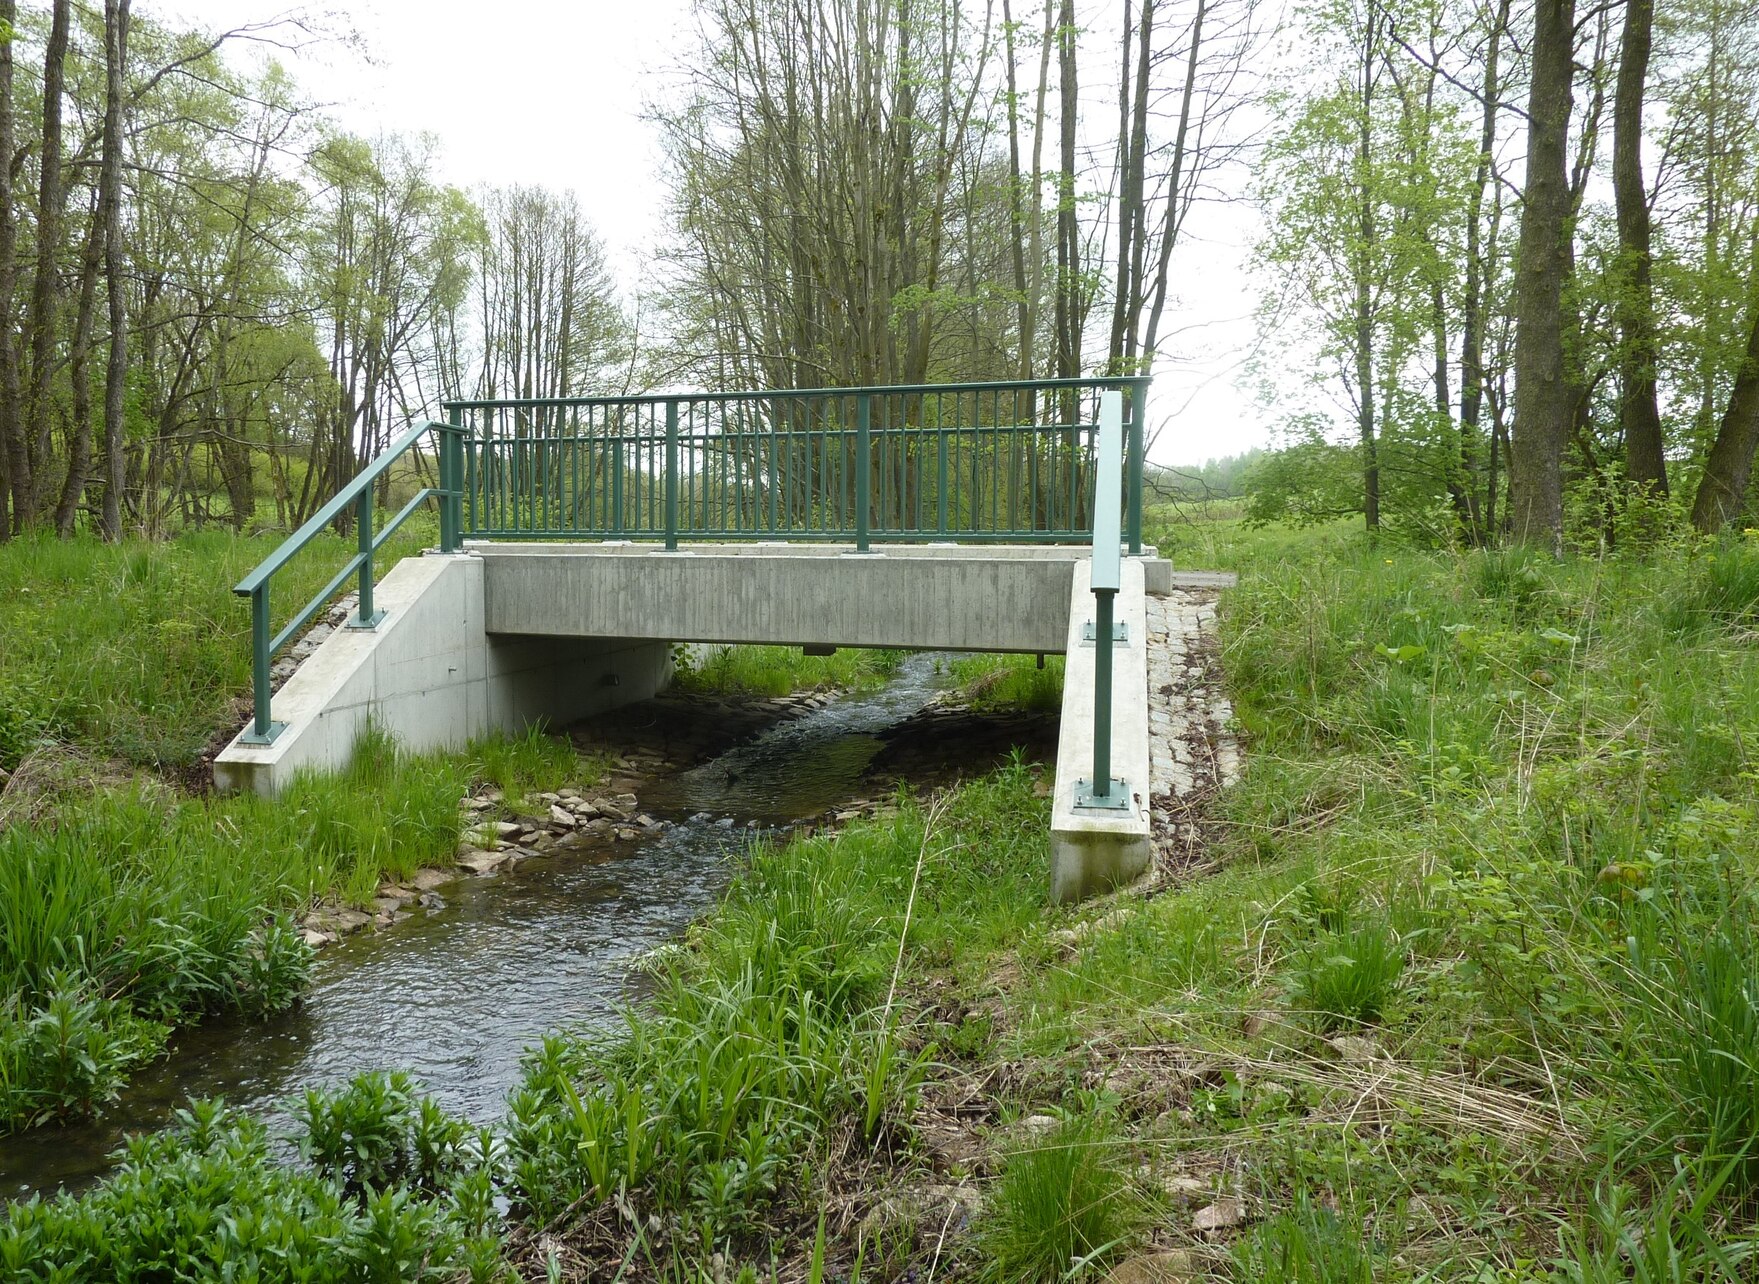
(1011, 462)
(358, 495)
(996, 462)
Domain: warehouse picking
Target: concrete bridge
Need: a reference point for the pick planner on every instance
(577, 547)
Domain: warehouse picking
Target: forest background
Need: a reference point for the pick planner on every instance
(1504, 259)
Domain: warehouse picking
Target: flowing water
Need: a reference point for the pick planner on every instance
(455, 994)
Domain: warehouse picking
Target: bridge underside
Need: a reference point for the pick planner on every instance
(504, 635)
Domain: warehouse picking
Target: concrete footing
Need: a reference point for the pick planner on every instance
(1095, 850)
(432, 676)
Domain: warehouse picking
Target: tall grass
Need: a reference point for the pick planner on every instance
(1062, 1208)
(1012, 681)
(138, 651)
(771, 1037)
(136, 910)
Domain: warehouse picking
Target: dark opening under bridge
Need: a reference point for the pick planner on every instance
(581, 538)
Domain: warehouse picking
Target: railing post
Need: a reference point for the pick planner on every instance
(863, 467)
(1103, 640)
(672, 475)
(452, 479)
(1100, 790)
(1136, 401)
(940, 484)
(365, 617)
(263, 728)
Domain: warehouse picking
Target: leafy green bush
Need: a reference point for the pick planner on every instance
(214, 1199)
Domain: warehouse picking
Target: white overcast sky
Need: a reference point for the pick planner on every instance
(523, 91)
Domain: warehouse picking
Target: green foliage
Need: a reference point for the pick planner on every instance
(1348, 977)
(214, 1199)
(1012, 682)
(1309, 1244)
(138, 651)
(780, 670)
(1063, 1206)
(772, 1032)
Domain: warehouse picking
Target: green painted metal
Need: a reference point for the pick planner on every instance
(863, 469)
(357, 494)
(1008, 461)
(1011, 461)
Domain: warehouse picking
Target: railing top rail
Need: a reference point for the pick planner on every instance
(342, 499)
(880, 390)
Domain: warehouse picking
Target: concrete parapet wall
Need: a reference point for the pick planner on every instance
(919, 596)
(1094, 851)
(433, 677)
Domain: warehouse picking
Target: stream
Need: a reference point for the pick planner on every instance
(455, 994)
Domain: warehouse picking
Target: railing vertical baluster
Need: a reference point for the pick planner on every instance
(863, 467)
(450, 482)
(672, 474)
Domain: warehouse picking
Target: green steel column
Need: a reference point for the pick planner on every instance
(863, 467)
(451, 507)
(671, 474)
(1102, 694)
(364, 616)
(616, 522)
(262, 729)
(1135, 403)
(940, 481)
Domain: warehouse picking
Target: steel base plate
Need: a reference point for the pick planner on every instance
(1116, 799)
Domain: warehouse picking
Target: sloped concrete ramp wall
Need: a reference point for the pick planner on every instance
(434, 677)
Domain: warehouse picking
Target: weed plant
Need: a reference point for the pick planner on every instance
(391, 1189)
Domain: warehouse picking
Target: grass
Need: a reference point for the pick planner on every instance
(1498, 825)
(995, 682)
(780, 670)
(134, 910)
(1063, 1206)
(139, 652)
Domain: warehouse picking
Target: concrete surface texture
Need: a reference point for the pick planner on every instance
(432, 676)
(1094, 851)
(920, 597)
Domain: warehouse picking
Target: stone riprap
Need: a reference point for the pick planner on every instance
(1193, 750)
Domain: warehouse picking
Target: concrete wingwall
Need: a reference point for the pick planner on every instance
(1095, 850)
(434, 677)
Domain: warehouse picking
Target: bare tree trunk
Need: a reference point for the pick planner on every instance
(1544, 402)
(79, 431)
(43, 300)
(1364, 305)
(110, 206)
(1472, 306)
(14, 463)
(1645, 462)
(1729, 464)
(1068, 228)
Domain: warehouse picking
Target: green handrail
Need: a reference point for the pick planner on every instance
(887, 463)
(359, 493)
